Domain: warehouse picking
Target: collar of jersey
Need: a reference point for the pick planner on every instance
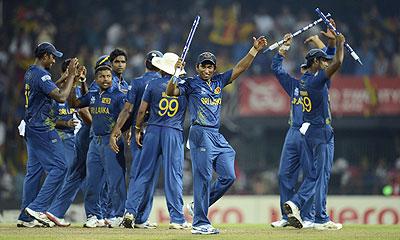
(41, 68)
(151, 73)
(198, 77)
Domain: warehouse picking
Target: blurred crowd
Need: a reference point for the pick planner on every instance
(88, 29)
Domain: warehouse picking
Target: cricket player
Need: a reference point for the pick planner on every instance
(131, 108)
(73, 144)
(292, 151)
(162, 141)
(118, 59)
(318, 140)
(208, 148)
(105, 105)
(45, 148)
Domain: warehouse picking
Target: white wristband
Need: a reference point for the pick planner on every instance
(253, 51)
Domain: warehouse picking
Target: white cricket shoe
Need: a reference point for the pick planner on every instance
(115, 222)
(58, 221)
(31, 224)
(293, 213)
(91, 222)
(102, 223)
(308, 224)
(146, 225)
(205, 229)
(280, 224)
(328, 226)
(40, 217)
(190, 208)
(184, 226)
(128, 221)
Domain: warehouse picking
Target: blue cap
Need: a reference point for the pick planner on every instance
(46, 47)
(153, 53)
(317, 53)
(206, 57)
(103, 60)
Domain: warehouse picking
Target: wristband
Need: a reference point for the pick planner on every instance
(137, 128)
(253, 51)
(82, 80)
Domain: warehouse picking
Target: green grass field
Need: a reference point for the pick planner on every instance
(228, 231)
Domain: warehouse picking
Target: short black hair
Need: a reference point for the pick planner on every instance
(150, 66)
(65, 64)
(40, 54)
(102, 68)
(117, 52)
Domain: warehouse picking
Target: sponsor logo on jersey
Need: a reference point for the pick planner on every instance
(210, 101)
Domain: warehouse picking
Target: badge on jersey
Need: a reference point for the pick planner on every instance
(217, 90)
(106, 100)
(45, 78)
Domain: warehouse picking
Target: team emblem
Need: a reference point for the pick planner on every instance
(92, 100)
(106, 100)
(217, 90)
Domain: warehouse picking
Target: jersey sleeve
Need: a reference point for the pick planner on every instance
(147, 93)
(184, 86)
(224, 78)
(93, 86)
(120, 103)
(46, 85)
(320, 80)
(131, 95)
(84, 101)
(283, 77)
(330, 51)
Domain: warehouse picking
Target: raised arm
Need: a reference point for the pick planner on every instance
(172, 88)
(82, 79)
(338, 59)
(61, 94)
(280, 73)
(314, 39)
(330, 34)
(245, 62)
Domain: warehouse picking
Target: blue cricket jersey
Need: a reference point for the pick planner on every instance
(104, 108)
(315, 98)
(136, 90)
(38, 104)
(64, 113)
(165, 111)
(205, 98)
(122, 85)
(291, 87)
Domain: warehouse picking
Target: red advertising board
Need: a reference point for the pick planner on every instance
(350, 96)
